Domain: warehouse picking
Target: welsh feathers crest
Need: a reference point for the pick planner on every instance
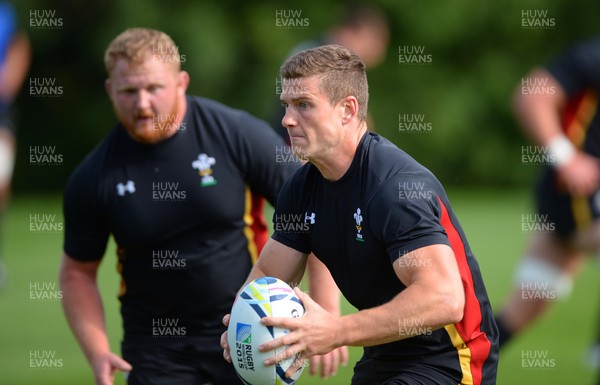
(204, 165)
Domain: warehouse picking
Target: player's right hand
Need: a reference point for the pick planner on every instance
(581, 175)
(106, 366)
(224, 343)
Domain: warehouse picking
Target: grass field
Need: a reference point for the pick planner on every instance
(36, 346)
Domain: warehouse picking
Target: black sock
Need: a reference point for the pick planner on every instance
(504, 334)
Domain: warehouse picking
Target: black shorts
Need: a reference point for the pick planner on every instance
(176, 362)
(371, 371)
(565, 214)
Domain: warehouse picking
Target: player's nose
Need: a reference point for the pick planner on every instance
(143, 100)
(289, 119)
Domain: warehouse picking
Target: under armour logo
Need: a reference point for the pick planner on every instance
(309, 218)
(124, 188)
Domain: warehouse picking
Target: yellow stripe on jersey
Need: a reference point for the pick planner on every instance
(248, 232)
(464, 354)
(582, 212)
(577, 131)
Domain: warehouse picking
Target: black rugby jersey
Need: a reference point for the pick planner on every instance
(576, 70)
(180, 214)
(577, 73)
(385, 206)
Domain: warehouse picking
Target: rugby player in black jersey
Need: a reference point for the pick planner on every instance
(383, 226)
(173, 184)
(557, 106)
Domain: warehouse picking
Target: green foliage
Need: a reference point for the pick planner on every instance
(233, 50)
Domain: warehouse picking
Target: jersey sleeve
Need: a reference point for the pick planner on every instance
(577, 69)
(405, 216)
(260, 152)
(86, 232)
(289, 225)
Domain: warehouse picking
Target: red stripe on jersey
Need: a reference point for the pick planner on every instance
(259, 224)
(576, 120)
(470, 326)
(570, 111)
(578, 115)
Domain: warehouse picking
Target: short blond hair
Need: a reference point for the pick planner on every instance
(342, 73)
(135, 44)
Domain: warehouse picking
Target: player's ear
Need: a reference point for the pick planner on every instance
(184, 81)
(349, 109)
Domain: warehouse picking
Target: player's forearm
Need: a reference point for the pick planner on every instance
(255, 273)
(539, 113)
(82, 306)
(321, 286)
(280, 261)
(15, 69)
(417, 310)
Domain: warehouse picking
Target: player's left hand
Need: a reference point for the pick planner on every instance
(329, 363)
(315, 333)
(224, 343)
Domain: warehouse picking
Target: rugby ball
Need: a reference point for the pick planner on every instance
(266, 296)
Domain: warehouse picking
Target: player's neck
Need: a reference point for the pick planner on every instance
(338, 161)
